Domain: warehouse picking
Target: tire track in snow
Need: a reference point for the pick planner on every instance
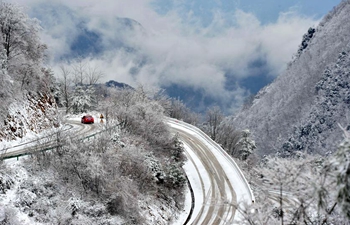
(213, 207)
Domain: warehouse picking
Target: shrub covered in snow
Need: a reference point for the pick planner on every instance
(175, 175)
(103, 179)
(304, 189)
(342, 165)
(5, 182)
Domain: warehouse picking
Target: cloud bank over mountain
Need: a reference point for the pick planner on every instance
(132, 42)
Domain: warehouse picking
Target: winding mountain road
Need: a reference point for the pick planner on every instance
(218, 183)
(72, 128)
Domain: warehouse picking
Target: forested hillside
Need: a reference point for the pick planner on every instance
(132, 174)
(303, 108)
(25, 84)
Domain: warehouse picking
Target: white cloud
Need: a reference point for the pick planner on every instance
(178, 49)
(280, 40)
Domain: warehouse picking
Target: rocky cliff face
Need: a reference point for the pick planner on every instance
(301, 109)
(33, 114)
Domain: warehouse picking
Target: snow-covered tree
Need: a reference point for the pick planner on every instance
(83, 99)
(23, 48)
(342, 165)
(175, 175)
(6, 181)
(19, 33)
(108, 178)
(178, 110)
(93, 75)
(298, 190)
(305, 103)
(306, 40)
(6, 87)
(228, 136)
(155, 168)
(65, 87)
(3, 63)
(214, 118)
(85, 73)
(303, 189)
(76, 85)
(245, 146)
(237, 143)
(24, 80)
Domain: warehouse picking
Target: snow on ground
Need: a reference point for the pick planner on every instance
(158, 211)
(32, 138)
(10, 197)
(198, 177)
(182, 217)
(235, 175)
(196, 181)
(77, 117)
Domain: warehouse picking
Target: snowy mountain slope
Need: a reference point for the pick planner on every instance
(26, 102)
(35, 195)
(144, 159)
(31, 114)
(284, 113)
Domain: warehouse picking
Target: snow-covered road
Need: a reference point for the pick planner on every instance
(217, 182)
(73, 127)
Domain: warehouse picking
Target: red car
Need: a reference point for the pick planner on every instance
(87, 119)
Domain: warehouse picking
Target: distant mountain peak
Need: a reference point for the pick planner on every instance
(128, 22)
(115, 84)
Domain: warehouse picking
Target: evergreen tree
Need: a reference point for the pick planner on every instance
(245, 145)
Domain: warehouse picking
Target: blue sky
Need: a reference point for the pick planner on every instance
(223, 49)
(267, 11)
